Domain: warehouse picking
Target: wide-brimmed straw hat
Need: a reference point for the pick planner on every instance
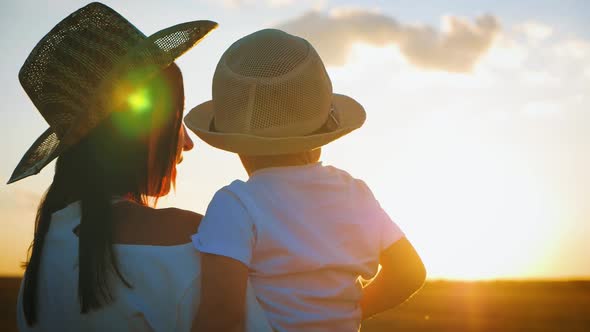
(72, 72)
(272, 95)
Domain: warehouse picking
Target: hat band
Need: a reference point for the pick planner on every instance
(331, 124)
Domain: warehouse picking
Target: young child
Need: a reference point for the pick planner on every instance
(302, 232)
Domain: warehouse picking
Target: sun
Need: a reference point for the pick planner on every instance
(473, 205)
(477, 211)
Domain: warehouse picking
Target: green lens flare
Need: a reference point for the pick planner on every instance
(139, 101)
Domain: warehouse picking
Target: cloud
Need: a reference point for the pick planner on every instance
(573, 49)
(456, 48)
(506, 53)
(233, 4)
(535, 31)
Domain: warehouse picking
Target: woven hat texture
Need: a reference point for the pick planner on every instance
(272, 86)
(70, 72)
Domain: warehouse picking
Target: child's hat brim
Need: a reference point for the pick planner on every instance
(350, 114)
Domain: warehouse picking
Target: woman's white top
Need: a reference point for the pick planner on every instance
(165, 280)
(307, 233)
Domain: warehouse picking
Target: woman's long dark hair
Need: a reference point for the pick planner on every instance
(132, 154)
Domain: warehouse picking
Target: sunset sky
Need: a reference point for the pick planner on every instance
(477, 140)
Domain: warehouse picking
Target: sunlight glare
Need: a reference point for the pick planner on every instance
(469, 201)
(139, 101)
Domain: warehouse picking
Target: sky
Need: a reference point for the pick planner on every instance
(477, 139)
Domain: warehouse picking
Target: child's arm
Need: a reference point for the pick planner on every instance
(223, 294)
(402, 274)
(225, 241)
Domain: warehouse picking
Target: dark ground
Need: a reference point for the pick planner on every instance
(451, 306)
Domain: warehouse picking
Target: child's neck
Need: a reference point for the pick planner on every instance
(254, 163)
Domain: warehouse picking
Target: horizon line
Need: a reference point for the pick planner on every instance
(439, 279)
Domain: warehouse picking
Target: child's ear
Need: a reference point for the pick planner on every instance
(315, 155)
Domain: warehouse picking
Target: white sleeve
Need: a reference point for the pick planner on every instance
(387, 230)
(227, 229)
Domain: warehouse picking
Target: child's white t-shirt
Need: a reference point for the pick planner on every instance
(306, 233)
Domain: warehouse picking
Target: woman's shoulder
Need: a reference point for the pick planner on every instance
(141, 225)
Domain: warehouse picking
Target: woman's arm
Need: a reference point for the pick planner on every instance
(402, 274)
(223, 294)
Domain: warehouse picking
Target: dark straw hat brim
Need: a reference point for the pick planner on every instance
(154, 53)
(350, 114)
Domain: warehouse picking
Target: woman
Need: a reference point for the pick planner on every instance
(102, 259)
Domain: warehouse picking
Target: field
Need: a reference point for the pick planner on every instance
(452, 306)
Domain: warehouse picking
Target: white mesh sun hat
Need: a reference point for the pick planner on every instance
(272, 95)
